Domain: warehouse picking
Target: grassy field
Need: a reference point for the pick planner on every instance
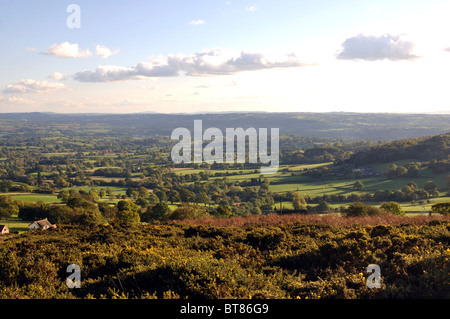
(15, 224)
(333, 185)
(33, 197)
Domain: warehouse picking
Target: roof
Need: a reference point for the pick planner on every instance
(42, 223)
(2, 227)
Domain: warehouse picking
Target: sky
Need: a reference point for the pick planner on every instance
(200, 56)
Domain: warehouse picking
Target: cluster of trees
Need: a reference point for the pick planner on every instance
(394, 170)
(360, 209)
(439, 167)
(86, 207)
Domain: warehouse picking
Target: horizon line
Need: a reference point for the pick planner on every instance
(224, 112)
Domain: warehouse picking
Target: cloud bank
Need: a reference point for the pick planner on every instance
(208, 62)
(372, 48)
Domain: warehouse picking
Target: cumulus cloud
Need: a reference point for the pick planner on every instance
(209, 62)
(32, 86)
(197, 22)
(58, 76)
(104, 52)
(371, 48)
(67, 50)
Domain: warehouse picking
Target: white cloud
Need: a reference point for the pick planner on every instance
(209, 62)
(251, 8)
(32, 86)
(58, 76)
(371, 48)
(197, 22)
(104, 52)
(67, 50)
(19, 100)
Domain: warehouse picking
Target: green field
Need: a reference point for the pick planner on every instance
(33, 197)
(333, 185)
(15, 224)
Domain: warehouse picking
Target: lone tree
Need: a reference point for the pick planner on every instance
(323, 207)
(429, 186)
(298, 201)
(358, 185)
(160, 211)
(125, 205)
(393, 207)
(128, 216)
(8, 207)
(189, 211)
(441, 208)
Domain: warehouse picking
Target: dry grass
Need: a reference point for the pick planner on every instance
(331, 219)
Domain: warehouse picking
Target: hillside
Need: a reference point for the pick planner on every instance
(424, 148)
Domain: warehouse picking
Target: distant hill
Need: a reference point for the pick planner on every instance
(424, 148)
(370, 126)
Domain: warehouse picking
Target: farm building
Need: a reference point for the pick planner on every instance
(42, 224)
(4, 229)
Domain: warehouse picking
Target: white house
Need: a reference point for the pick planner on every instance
(4, 229)
(42, 224)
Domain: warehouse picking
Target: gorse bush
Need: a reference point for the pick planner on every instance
(286, 260)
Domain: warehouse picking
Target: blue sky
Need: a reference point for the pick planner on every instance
(209, 56)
